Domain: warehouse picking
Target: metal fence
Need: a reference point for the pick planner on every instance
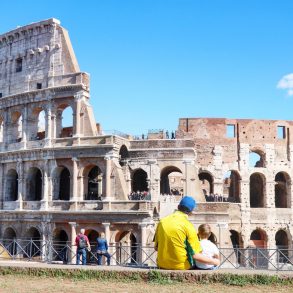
(138, 256)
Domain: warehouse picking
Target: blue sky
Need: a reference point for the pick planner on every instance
(153, 61)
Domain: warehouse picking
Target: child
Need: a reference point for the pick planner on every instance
(209, 249)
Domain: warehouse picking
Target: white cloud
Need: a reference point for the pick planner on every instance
(286, 83)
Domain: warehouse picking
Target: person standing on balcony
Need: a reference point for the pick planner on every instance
(176, 240)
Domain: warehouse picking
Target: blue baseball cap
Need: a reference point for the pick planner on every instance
(188, 202)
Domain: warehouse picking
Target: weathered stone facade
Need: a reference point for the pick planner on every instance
(56, 180)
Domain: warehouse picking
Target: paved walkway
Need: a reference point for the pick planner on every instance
(31, 264)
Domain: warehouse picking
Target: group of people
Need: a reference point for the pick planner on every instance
(139, 195)
(83, 246)
(179, 246)
(218, 198)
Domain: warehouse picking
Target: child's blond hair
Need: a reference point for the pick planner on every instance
(204, 231)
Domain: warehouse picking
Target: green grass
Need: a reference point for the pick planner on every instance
(152, 276)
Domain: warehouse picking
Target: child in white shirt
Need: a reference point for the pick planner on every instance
(209, 249)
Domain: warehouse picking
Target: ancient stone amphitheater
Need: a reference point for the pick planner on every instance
(57, 179)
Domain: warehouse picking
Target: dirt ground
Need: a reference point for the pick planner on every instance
(20, 284)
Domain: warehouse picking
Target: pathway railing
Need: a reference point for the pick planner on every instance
(280, 259)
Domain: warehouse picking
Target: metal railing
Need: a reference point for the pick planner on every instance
(280, 259)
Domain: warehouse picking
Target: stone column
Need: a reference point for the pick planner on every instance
(21, 184)
(270, 194)
(24, 126)
(73, 247)
(271, 245)
(108, 177)
(74, 197)
(48, 126)
(143, 240)
(187, 163)
(1, 185)
(107, 231)
(78, 97)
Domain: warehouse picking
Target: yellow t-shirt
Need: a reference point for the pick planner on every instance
(173, 234)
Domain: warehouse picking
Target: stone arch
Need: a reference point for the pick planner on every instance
(256, 158)
(11, 185)
(207, 182)
(64, 184)
(60, 241)
(126, 247)
(36, 124)
(34, 184)
(139, 180)
(123, 155)
(64, 120)
(282, 190)
(282, 244)
(9, 243)
(93, 182)
(257, 183)
(16, 127)
(33, 244)
(171, 181)
(258, 238)
(231, 186)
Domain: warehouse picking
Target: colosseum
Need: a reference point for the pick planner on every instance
(57, 179)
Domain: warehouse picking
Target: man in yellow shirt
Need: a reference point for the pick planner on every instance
(176, 237)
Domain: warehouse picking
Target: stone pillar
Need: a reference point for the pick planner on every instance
(24, 126)
(271, 245)
(73, 247)
(108, 177)
(75, 196)
(1, 185)
(76, 114)
(46, 174)
(187, 163)
(143, 240)
(107, 231)
(53, 126)
(21, 184)
(270, 194)
(48, 126)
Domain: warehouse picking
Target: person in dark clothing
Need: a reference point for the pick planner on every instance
(102, 249)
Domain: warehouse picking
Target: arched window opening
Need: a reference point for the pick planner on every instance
(256, 159)
(16, 127)
(60, 244)
(231, 187)
(35, 185)
(171, 181)
(95, 184)
(33, 243)
(237, 244)
(282, 245)
(258, 253)
(64, 185)
(207, 185)
(123, 155)
(11, 185)
(41, 125)
(9, 241)
(126, 248)
(282, 190)
(257, 185)
(64, 121)
(139, 181)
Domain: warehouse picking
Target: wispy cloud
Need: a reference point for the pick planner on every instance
(286, 83)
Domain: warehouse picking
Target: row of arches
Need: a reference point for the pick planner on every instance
(13, 129)
(257, 188)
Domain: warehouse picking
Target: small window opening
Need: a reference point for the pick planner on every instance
(39, 86)
(18, 67)
(281, 132)
(0, 95)
(230, 130)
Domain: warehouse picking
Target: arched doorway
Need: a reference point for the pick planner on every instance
(282, 190)
(231, 188)
(64, 121)
(64, 184)
(282, 245)
(126, 248)
(123, 155)
(95, 184)
(9, 241)
(139, 181)
(33, 243)
(60, 246)
(236, 242)
(11, 185)
(258, 249)
(171, 181)
(257, 190)
(207, 185)
(34, 185)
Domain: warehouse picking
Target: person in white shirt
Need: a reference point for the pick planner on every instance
(209, 249)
